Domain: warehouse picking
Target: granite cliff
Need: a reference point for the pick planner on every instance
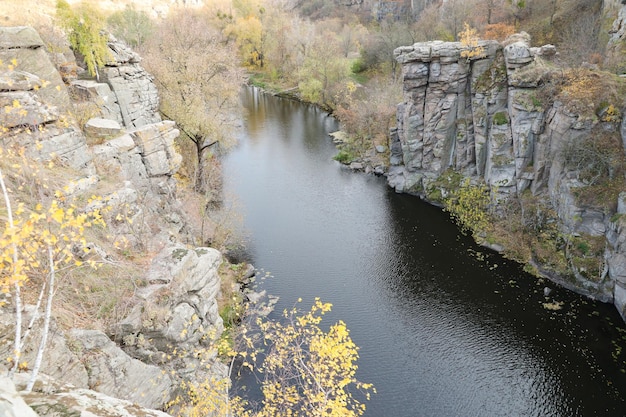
(107, 138)
(510, 118)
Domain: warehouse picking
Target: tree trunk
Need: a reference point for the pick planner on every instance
(200, 185)
(18, 298)
(46, 322)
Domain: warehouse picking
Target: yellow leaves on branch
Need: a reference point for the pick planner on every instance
(59, 226)
(469, 39)
(307, 371)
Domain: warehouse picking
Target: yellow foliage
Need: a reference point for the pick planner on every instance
(469, 39)
(469, 207)
(54, 223)
(305, 371)
(308, 371)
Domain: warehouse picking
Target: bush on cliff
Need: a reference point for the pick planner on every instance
(84, 26)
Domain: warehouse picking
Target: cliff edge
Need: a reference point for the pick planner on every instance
(547, 143)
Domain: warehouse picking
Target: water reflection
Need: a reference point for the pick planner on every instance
(445, 327)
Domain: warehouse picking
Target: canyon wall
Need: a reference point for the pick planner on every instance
(508, 117)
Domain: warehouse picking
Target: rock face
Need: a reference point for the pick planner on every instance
(134, 89)
(83, 402)
(11, 403)
(178, 310)
(114, 373)
(126, 93)
(34, 98)
(134, 149)
(483, 118)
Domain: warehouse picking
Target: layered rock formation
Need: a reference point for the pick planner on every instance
(488, 119)
(128, 371)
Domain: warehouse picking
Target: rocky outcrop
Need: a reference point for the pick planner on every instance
(35, 98)
(486, 119)
(125, 142)
(125, 93)
(11, 403)
(114, 373)
(178, 310)
(84, 402)
(134, 89)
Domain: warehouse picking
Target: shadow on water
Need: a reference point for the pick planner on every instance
(446, 328)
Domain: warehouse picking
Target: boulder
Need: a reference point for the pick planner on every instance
(177, 308)
(75, 402)
(112, 372)
(11, 403)
(101, 128)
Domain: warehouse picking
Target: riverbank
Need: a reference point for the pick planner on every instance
(402, 278)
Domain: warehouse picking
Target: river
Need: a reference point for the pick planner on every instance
(445, 328)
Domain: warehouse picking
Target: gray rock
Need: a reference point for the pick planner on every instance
(20, 37)
(486, 122)
(156, 146)
(100, 128)
(74, 402)
(19, 81)
(114, 373)
(25, 109)
(11, 403)
(100, 94)
(517, 55)
(134, 89)
(24, 45)
(186, 316)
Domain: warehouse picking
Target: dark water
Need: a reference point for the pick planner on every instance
(445, 328)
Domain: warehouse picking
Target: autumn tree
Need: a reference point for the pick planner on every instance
(85, 30)
(198, 77)
(498, 31)
(303, 370)
(469, 39)
(366, 114)
(248, 33)
(377, 48)
(131, 25)
(455, 13)
(281, 54)
(38, 244)
(307, 371)
(518, 10)
(323, 69)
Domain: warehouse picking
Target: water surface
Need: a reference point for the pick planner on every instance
(445, 328)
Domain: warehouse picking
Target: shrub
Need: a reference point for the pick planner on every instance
(500, 118)
(131, 25)
(86, 34)
(596, 158)
(344, 157)
(469, 207)
(498, 31)
(358, 66)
